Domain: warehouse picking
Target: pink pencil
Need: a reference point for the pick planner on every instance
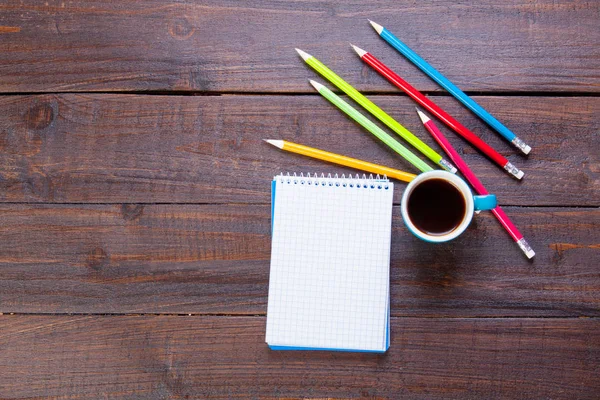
(476, 183)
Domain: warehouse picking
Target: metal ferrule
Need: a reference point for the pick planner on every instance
(526, 248)
(521, 145)
(516, 172)
(447, 166)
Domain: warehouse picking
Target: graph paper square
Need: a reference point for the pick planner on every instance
(329, 279)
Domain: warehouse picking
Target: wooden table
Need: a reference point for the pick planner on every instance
(134, 189)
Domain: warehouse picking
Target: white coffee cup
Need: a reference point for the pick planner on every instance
(472, 204)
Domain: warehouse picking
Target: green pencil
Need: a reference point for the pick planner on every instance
(376, 111)
(371, 127)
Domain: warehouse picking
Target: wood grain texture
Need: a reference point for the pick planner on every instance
(236, 46)
(187, 149)
(215, 259)
(153, 210)
(154, 357)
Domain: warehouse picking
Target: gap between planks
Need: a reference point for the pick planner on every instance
(184, 93)
(228, 315)
(395, 204)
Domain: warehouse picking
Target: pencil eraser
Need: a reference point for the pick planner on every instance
(514, 171)
(530, 253)
(526, 248)
(447, 166)
(521, 145)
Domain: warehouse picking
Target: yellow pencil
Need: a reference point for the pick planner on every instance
(342, 160)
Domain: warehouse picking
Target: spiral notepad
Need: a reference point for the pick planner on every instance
(329, 279)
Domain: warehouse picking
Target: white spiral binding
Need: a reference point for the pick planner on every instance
(357, 181)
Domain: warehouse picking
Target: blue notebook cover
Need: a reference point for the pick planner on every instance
(318, 196)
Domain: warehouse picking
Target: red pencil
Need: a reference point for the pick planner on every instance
(439, 112)
(476, 183)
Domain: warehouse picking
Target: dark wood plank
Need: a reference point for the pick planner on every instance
(153, 357)
(142, 149)
(231, 46)
(215, 259)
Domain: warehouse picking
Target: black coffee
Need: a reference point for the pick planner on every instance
(436, 207)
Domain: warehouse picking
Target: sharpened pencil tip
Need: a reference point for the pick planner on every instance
(424, 118)
(305, 56)
(376, 26)
(358, 50)
(316, 85)
(276, 143)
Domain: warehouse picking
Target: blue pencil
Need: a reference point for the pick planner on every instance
(450, 87)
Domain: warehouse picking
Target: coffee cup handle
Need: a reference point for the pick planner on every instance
(485, 202)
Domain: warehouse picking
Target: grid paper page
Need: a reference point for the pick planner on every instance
(329, 280)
